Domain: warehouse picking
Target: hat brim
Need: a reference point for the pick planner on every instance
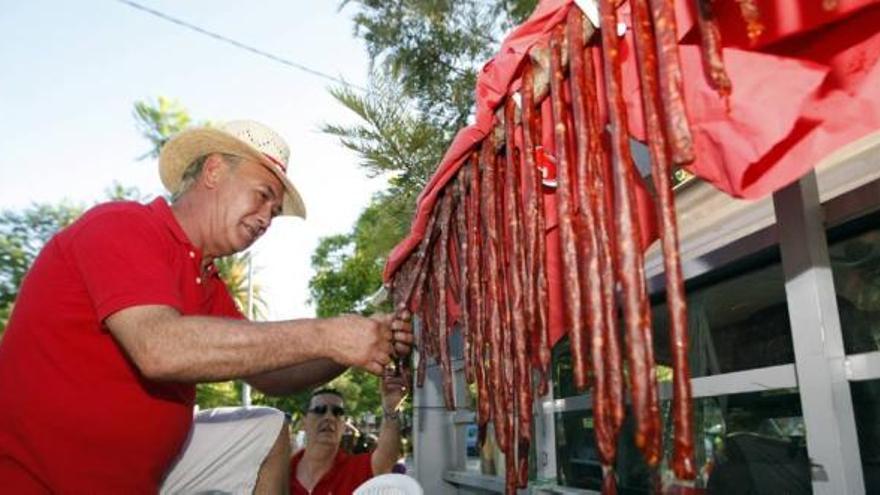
(182, 149)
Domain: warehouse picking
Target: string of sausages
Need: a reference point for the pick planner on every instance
(483, 257)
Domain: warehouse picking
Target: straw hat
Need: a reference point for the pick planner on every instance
(244, 138)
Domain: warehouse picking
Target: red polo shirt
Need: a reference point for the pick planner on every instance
(348, 472)
(76, 416)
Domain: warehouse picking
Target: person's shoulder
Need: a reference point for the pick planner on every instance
(113, 209)
(115, 219)
(123, 214)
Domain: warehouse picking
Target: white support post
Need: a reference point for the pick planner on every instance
(832, 442)
(433, 443)
(545, 437)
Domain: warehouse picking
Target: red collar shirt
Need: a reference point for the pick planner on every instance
(76, 416)
(348, 472)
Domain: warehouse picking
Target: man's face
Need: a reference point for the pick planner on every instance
(248, 197)
(325, 420)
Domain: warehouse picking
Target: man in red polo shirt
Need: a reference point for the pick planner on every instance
(322, 468)
(123, 312)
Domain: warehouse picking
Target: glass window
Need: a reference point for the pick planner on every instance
(746, 443)
(737, 319)
(866, 405)
(485, 457)
(854, 250)
(563, 384)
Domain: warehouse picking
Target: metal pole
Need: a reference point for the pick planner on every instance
(826, 401)
(245, 387)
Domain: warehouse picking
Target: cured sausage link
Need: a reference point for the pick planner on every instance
(461, 247)
(534, 220)
(488, 217)
(590, 276)
(571, 288)
(508, 361)
(516, 271)
(630, 267)
(713, 62)
(678, 131)
(683, 463)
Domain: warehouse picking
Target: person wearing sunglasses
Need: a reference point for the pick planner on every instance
(322, 467)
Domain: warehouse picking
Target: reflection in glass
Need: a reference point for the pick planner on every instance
(746, 443)
(737, 323)
(855, 263)
(866, 406)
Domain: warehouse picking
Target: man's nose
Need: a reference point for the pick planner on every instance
(264, 217)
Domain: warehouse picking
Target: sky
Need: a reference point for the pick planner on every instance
(72, 72)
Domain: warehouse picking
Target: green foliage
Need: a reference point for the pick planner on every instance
(390, 140)
(348, 267)
(209, 395)
(119, 192)
(425, 55)
(158, 121)
(342, 276)
(359, 388)
(361, 392)
(22, 235)
(233, 271)
(436, 47)
(5, 312)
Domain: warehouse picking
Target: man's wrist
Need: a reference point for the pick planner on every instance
(325, 339)
(391, 415)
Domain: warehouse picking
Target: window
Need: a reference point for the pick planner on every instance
(866, 406)
(855, 261)
(751, 443)
(737, 319)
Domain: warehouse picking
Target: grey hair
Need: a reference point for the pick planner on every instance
(194, 169)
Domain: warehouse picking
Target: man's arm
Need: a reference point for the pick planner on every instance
(297, 378)
(388, 448)
(310, 374)
(165, 345)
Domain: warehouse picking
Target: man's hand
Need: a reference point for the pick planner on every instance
(359, 341)
(401, 328)
(393, 391)
(388, 448)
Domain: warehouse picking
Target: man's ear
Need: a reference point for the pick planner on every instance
(212, 171)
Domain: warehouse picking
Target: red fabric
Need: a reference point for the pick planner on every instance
(810, 85)
(492, 87)
(75, 414)
(348, 472)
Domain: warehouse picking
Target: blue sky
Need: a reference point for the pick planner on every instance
(73, 70)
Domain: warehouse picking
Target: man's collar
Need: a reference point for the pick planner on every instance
(161, 209)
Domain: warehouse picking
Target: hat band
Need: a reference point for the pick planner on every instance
(277, 162)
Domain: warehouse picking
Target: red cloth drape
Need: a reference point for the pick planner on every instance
(809, 85)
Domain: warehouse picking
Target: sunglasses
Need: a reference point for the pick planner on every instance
(321, 410)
